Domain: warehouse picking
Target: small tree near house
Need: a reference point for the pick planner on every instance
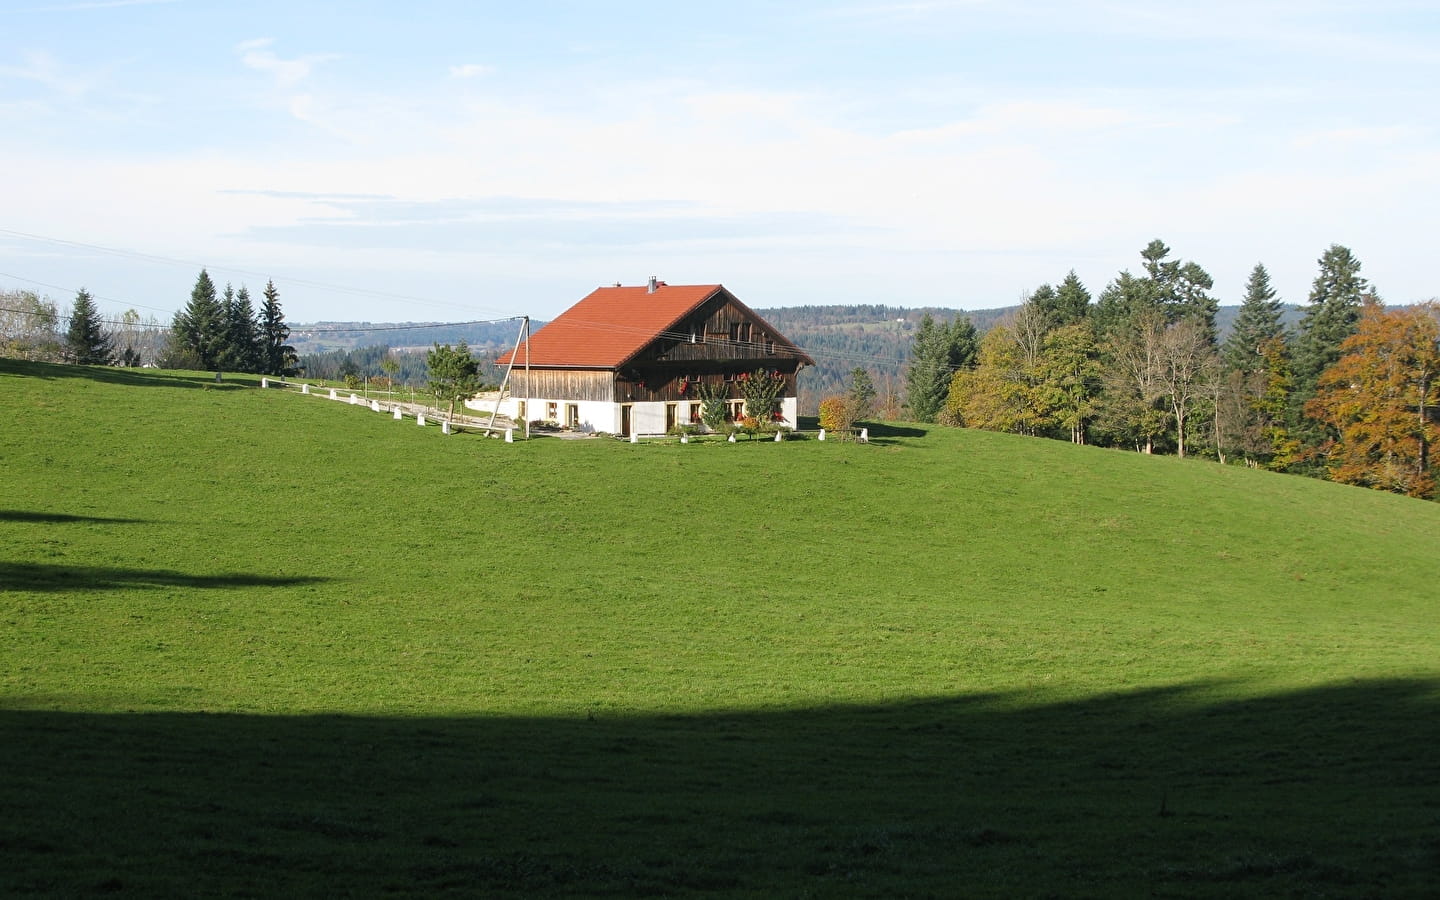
(837, 414)
(762, 392)
(454, 374)
(713, 403)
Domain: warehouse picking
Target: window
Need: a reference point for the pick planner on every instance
(735, 410)
(520, 410)
(694, 414)
(550, 412)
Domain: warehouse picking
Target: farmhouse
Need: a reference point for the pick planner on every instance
(632, 359)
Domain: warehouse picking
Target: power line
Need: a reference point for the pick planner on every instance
(759, 347)
(304, 282)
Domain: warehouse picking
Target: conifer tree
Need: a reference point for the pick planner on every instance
(198, 329)
(938, 350)
(861, 394)
(86, 342)
(1072, 301)
(276, 356)
(1257, 323)
(241, 350)
(1331, 316)
(454, 373)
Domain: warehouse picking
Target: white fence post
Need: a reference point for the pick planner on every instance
(445, 426)
(398, 414)
(822, 434)
(509, 435)
(304, 388)
(864, 435)
(420, 419)
(332, 394)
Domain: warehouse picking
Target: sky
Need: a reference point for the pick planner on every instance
(454, 161)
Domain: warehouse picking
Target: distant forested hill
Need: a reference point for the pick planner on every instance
(320, 337)
(872, 337)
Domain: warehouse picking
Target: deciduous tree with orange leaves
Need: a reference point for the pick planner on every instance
(1383, 399)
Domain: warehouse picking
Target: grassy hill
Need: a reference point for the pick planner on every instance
(255, 643)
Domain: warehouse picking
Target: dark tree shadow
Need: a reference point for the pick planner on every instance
(59, 577)
(130, 377)
(26, 515)
(893, 430)
(1329, 792)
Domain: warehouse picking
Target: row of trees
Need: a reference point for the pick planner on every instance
(32, 327)
(212, 332)
(224, 332)
(1349, 394)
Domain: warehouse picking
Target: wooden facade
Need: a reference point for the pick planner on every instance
(632, 354)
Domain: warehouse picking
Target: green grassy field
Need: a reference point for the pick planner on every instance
(258, 644)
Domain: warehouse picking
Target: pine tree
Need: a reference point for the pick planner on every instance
(861, 394)
(1046, 302)
(454, 374)
(1331, 316)
(1193, 301)
(1257, 322)
(198, 329)
(1125, 303)
(938, 350)
(240, 353)
(1178, 290)
(276, 356)
(1072, 301)
(86, 342)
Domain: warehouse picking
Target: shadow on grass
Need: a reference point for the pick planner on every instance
(56, 577)
(26, 515)
(1332, 791)
(132, 377)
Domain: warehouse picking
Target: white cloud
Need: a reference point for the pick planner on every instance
(43, 68)
(470, 70)
(256, 54)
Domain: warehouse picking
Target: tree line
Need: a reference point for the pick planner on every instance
(1350, 393)
(213, 332)
(224, 332)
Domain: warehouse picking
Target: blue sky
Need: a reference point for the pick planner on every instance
(450, 161)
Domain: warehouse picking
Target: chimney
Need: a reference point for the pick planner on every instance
(650, 289)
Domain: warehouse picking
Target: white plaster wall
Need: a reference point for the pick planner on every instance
(645, 418)
(595, 415)
(790, 409)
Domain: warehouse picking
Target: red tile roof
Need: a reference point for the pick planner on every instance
(610, 326)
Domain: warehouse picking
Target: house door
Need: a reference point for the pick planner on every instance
(625, 420)
(671, 410)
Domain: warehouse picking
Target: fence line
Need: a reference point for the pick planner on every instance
(451, 424)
